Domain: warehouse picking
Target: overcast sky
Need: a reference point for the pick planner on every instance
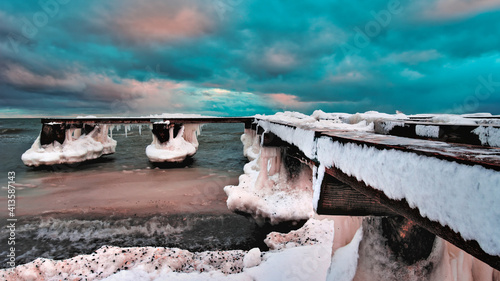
(242, 57)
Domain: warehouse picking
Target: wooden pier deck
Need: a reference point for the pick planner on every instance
(146, 120)
(343, 194)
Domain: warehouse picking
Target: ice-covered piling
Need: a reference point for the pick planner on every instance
(173, 142)
(64, 144)
(275, 187)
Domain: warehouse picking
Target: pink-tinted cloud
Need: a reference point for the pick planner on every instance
(119, 93)
(450, 9)
(286, 100)
(160, 21)
(21, 77)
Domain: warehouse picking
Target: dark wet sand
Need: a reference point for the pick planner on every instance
(124, 193)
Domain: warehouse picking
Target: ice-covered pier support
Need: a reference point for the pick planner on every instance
(60, 143)
(71, 140)
(53, 132)
(173, 142)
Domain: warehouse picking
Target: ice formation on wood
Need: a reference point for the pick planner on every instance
(488, 135)
(251, 144)
(178, 147)
(77, 147)
(268, 190)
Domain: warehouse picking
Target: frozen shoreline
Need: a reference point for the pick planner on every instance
(312, 242)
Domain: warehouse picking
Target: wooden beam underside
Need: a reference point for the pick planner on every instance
(402, 207)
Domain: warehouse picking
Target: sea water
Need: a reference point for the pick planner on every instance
(123, 199)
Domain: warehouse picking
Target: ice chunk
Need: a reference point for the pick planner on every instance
(252, 258)
(251, 144)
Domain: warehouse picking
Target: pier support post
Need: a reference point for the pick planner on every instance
(407, 241)
(162, 131)
(395, 248)
(53, 132)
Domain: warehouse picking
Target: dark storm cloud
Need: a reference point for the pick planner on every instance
(426, 56)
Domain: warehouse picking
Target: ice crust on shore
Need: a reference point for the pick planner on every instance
(308, 258)
(177, 148)
(76, 148)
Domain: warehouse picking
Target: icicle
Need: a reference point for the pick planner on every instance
(77, 133)
(127, 128)
(140, 127)
(318, 174)
(261, 137)
(69, 135)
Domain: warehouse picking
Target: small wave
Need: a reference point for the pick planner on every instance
(86, 230)
(59, 238)
(11, 131)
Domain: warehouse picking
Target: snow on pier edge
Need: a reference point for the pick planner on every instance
(444, 191)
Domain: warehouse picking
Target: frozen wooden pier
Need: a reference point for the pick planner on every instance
(71, 140)
(444, 181)
(426, 177)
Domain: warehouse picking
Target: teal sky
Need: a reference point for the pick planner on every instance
(242, 57)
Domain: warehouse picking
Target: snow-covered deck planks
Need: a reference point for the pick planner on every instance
(451, 189)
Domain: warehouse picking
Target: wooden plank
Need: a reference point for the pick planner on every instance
(147, 120)
(460, 153)
(488, 157)
(338, 198)
(403, 208)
